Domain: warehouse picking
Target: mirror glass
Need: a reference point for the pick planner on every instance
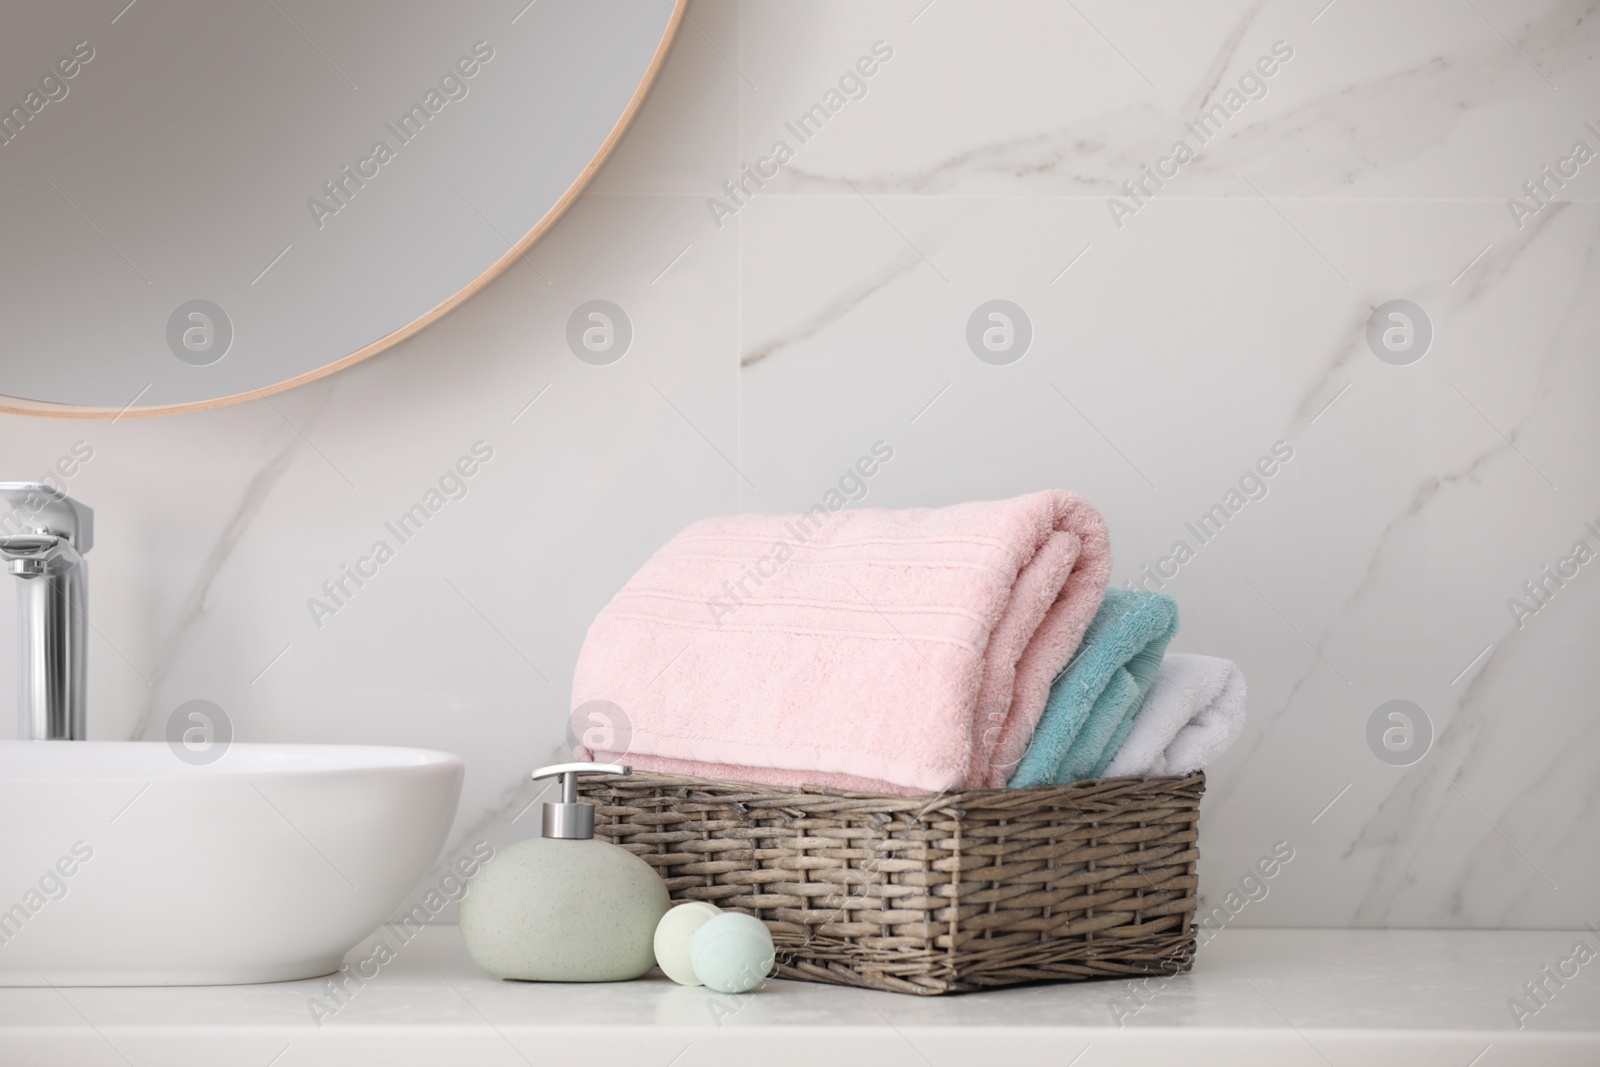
(205, 201)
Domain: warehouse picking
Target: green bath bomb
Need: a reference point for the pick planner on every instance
(732, 953)
(674, 933)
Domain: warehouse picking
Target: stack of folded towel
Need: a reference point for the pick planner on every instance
(903, 651)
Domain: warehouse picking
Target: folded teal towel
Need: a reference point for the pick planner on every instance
(1092, 702)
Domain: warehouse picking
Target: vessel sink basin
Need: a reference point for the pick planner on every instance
(121, 864)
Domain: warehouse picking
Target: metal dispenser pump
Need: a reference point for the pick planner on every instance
(570, 818)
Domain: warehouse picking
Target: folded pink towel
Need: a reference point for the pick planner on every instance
(901, 651)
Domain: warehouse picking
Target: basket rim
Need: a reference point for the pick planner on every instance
(1095, 786)
(1089, 793)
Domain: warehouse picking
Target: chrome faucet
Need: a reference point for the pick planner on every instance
(43, 536)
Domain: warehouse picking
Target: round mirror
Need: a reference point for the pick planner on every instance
(205, 202)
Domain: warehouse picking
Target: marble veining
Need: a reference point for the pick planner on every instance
(824, 318)
(193, 609)
(1316, 142)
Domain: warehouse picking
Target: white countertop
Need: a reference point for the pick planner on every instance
(1280, 997)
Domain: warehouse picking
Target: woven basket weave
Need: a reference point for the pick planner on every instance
(931, 894)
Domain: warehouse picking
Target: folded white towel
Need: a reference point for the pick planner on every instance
(1193, 712)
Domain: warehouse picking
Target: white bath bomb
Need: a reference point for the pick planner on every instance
(673, 934)
(732, 953)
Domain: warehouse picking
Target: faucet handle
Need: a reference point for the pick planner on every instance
(34, 507)
(29, 555)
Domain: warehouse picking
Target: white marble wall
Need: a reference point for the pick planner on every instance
(1168, 354)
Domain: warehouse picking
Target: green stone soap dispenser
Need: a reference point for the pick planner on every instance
(563, 907)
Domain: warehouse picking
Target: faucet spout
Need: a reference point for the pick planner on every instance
(43, 535)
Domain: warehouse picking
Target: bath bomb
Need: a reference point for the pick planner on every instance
(732, 952)
(673, 934)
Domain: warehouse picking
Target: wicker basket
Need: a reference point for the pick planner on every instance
(931, 894)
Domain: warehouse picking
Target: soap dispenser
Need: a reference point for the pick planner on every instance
(563, 907)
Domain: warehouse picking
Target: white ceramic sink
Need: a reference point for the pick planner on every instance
(121, 864)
